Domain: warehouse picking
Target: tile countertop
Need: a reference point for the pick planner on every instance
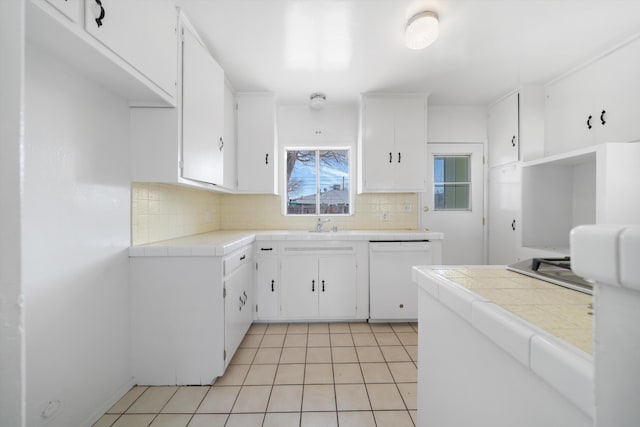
(545, 327)
(220, 243)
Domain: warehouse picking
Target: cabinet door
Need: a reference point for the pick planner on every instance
(256, 144)
(616, 85)
(504, 214)
(267, 287)
(378, 144)
(409, 154)
(69, 8)
(229, 152)
(299, 275)
(503, 131)
(142, 32)
(202, 113)
(338, 291)
(568, 105)
(238, 307)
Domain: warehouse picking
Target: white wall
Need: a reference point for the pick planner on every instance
(11, 310)
(75, 239)
(456, 123)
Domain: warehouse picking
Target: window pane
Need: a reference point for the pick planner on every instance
(334, 182)
(462, 169)
(438, 169)
(451, 196)
(301, 182)
(449, 169)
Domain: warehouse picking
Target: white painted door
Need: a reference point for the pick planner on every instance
(141, 32)
(461, 223)
(503, 131)
(504, 213)
(337, 288)
(299, 286)
(202, 113)
(256, 143)
(267, 287)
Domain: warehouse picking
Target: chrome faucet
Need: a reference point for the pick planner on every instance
(320, 223)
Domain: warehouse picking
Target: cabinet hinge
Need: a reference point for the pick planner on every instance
(224, 292)
(256, 266)
(256, 308)
(483, 160)
(236, 106)
(224, 355)
(483, 221)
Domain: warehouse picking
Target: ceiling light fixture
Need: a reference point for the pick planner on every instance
(317, 100)
(422, 30)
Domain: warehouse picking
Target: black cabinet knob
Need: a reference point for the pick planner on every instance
(101, 17)
(602, 120)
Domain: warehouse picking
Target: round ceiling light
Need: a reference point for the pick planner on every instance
(422, 30)
(317, 100)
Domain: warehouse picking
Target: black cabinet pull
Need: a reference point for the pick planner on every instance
(589, 122)
(101, 17)
(266, 159)
(242, 258)
(221, 143)
(513, 225)
(390, 157)
(399, 156)
(245, 297)
(602, 120)
(272, 283)
(513, 141)
(266, 249)
(313, 286)
(323, 286)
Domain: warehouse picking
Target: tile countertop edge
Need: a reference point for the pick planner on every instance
(563, 366)
(221, 243)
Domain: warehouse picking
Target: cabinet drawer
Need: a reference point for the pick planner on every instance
(236, 260)
(264, 249)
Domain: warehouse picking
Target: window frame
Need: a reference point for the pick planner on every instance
(317, 149)
(469, 207)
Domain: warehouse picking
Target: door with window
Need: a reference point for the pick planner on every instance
(454, 201)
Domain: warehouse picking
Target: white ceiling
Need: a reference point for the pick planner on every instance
(345, 47)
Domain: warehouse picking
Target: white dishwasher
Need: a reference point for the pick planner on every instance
(392, 293)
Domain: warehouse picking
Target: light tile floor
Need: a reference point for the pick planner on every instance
(298, 374)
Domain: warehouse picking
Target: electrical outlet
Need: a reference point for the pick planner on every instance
(385, 216)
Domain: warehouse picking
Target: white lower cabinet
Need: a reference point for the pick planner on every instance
(267, 281)
(188, 315)
(319, 283)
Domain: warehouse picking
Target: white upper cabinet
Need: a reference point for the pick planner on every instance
(503, 129)
(186, 145)
(142, 32)
(392, 145)
(595, 104)
(202, 112)
(130, 47)
(72, 9)
(257, 159)
(229, 151)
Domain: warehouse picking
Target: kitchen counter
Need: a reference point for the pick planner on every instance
(561, 312)
(220, 243)
(539, 333)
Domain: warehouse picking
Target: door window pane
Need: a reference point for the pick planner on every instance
(451, 183)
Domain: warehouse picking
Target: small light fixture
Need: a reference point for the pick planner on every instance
(422, 30)
(317, 100)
